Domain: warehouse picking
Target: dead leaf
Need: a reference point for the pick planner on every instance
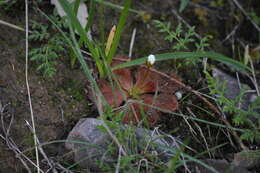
(110, 39)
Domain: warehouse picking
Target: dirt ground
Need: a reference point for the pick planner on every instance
(59, 102)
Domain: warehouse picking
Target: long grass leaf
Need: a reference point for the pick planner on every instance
(76, 24)
(101, 26)
(190, 117)
(190, 158)
(176, 158)
(182, 55)
(76, 6)
(210, 149)
(183, 5)
(91, 15)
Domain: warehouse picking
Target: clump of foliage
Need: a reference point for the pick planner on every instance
(182, 39)
(248, 118)
(142, 154)
(255, 17)
(51, 46)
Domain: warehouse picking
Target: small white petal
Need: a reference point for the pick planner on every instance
(151, 59)
(178, 95)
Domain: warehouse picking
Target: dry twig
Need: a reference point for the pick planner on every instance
(10, 142)
(28, 87)
(132, 43)
(12, 26)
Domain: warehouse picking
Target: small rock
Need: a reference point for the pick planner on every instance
(92, 143)
(246, 160)
(232, 89)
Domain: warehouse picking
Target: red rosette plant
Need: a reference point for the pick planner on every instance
(141, 84)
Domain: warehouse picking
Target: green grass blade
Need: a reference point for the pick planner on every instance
(76, 24)
(210, 149)
(191, 118)
(91, 15)
(183, 5)
(182, 55)
(190, 158)
(176, 158)
(83, 63)
(76, 6)
(101, 25)
(119, 30)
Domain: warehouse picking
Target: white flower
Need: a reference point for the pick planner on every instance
(151, 59)
(178, 95)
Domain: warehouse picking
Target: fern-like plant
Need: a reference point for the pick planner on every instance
(248, 118)
(181, 38)
(51, 46)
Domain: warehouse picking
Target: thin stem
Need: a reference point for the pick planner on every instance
(28, 87)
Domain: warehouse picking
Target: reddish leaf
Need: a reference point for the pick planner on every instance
(163, 101)
(123, 75)
(114, 96)
(167, 101)
(146, 81)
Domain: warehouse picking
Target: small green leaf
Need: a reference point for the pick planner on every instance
(185, 55)
(183, 5)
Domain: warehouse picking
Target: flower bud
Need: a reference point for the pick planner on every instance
(151, 60)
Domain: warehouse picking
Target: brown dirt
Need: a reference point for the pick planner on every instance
(57, 103)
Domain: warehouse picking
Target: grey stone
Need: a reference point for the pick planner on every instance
(93, 143)
(246, 159)
(232, 89)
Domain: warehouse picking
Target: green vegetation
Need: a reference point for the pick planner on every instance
(52, 46)
(249, 119)
(255, 17)
(183, 4)
(182, 39)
